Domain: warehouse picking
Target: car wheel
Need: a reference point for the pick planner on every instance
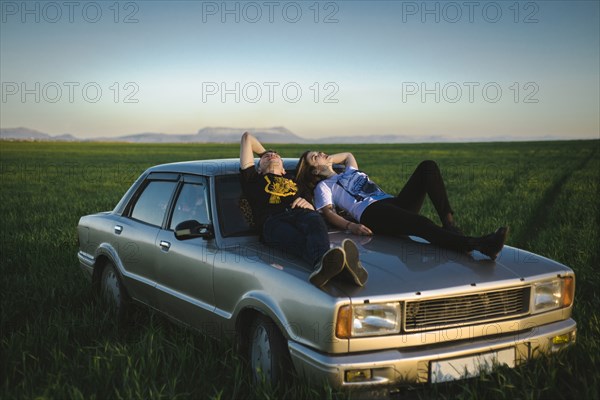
(268, 355)
(112, 290)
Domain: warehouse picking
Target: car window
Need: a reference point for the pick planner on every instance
(153, 202)
(192, 203)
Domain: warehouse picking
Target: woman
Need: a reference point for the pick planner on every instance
(376, 211)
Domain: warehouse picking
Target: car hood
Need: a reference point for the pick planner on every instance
(412, 268)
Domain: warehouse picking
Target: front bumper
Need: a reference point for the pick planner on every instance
(413, 365)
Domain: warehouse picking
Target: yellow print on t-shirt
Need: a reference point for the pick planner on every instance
(280, 187)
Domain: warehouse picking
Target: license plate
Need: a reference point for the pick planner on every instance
(468, 367)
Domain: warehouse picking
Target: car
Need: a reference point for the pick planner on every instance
(182, 241)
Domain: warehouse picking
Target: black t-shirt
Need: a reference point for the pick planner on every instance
(268, 194)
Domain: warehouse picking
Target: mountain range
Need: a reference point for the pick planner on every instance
(265, 135)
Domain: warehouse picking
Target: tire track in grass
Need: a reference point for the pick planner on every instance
(537, 221)
(495, 195)
(570, 235)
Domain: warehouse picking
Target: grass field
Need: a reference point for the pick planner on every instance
(57, 340)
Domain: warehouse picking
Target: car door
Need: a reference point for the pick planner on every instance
(136, 231)
(185, 267)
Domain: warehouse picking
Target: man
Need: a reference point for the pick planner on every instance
(288, 221)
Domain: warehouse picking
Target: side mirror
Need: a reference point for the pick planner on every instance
(191, 229)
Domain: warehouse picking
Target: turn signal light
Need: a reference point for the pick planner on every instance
(568, 290)
(343, 325)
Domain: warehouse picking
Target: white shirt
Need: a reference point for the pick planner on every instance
(351, 190)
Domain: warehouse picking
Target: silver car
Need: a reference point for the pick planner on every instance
(181, 241)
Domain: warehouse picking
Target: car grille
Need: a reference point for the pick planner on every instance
(461, 310)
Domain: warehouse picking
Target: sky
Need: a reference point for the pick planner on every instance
(458, 70)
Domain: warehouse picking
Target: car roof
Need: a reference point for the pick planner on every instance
(215, 167)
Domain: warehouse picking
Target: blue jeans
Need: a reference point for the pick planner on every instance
(298, 232)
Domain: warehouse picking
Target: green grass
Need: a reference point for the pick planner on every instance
(58, 341)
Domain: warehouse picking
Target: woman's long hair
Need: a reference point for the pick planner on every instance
(306, 178)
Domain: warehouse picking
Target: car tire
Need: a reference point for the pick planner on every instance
(113, 292)
(268, 354)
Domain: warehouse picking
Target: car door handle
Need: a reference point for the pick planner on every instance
(165, 245)
(118, 229)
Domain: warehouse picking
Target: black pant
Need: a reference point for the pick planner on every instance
(399, 216)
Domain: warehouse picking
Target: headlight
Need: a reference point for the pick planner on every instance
(553, 294)
(368, 320)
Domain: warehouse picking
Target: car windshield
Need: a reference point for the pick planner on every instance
(232, 220)
(235, 216)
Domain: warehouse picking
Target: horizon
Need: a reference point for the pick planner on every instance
(454, 70)
(400, 139)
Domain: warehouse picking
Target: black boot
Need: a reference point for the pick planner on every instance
(491, 244)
